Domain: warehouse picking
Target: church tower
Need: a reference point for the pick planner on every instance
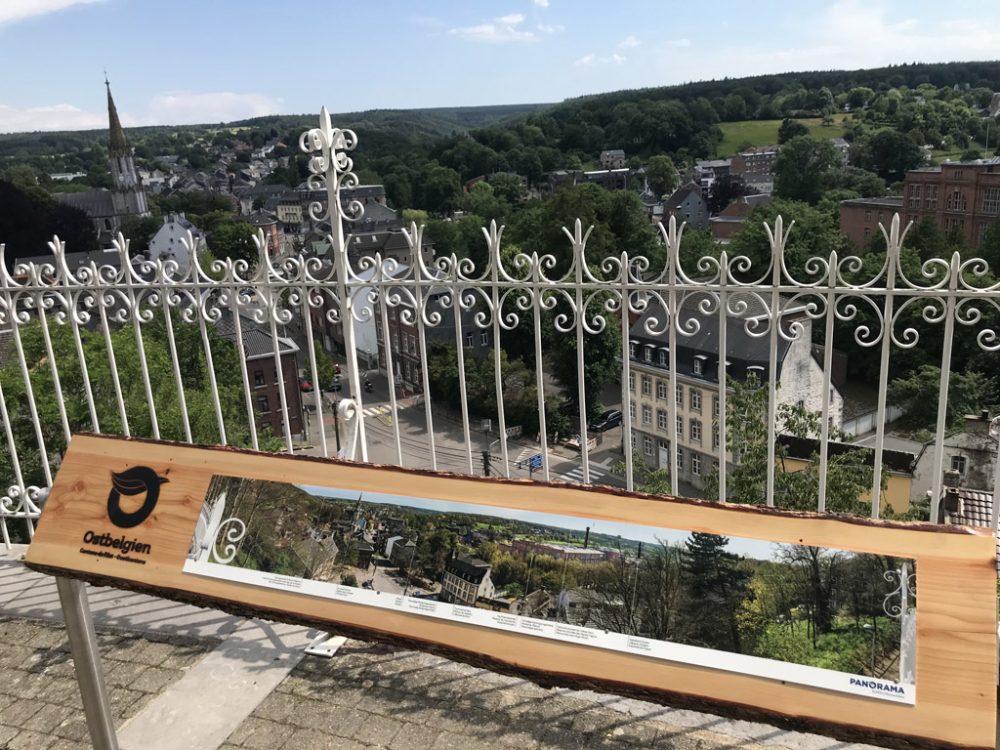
(127, 194)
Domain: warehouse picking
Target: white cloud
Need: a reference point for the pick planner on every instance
(629, 42)
(178, 107)
(849, 34)
(592, 59)
(678, 43)
(499, 31)
(541, 3)
(49, 117)
(18, 10)
(172, 108)
(557, 28)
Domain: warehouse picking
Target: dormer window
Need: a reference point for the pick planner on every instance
(663, 357)
(631, 349)
(647, 354)
(699, 364)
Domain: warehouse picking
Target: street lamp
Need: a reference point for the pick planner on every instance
(866, 627)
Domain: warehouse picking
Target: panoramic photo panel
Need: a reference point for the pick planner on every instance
(822, 617)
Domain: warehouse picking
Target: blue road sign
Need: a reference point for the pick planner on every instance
(535, 462)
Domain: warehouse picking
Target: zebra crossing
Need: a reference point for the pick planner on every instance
(575, 475)
(376, 411)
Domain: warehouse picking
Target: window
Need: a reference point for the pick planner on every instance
(930, 197)
(914, 197)
(468, 339)
(696, 464)
(696, 430)
(715, 406)
(631, 409)
(695, 399)
(484, 338)
(633, 441)
(395, 341)
(647, 385)
(868, 232)
(631, 381)
(663, 354)
(413, 345)
(680, 459)
(698, 366)
(631, 349)
(956, 201)
(958, 464)
(868, 214)
(680, 426)
(647, 445)
(715, 436)
(258, 378)
(647, 415)
(647, 354)
(262, 406)
(991, 200)
(680, 395)
(661, 389)
(661, 419)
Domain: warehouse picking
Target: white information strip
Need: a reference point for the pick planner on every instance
(705, 657)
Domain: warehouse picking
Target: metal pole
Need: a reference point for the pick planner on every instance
(87, 663)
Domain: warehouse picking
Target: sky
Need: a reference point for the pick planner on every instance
(195, 61)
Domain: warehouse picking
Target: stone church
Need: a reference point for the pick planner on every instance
(107, 208)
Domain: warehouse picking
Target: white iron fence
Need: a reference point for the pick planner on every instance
(91, 328)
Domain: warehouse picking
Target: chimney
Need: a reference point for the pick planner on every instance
(978, 424)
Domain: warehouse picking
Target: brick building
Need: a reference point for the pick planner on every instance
(860, 217)
(958, 196)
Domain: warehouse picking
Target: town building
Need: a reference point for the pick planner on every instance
(730, 221)
(695, 405)
(609, 179)
(961, 197)
(754, 163)
(266, 387)
(167, 244)
(465, 580)
(688, 205)
(898, 467)
(860, 217)
(108, 208)
(584, 555)
(612, 159)
(707, 171)
(971, 453)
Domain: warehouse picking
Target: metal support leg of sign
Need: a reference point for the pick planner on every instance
(87, 663)
(326, 645)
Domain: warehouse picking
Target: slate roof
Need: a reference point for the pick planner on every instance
(467, 568)
(681, 194)
(94, 203)
(741, 348)
(805, 448)
(257, 341)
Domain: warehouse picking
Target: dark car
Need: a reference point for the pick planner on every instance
(607, 420)
(333, 385)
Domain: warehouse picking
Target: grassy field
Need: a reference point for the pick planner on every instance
(765, 132)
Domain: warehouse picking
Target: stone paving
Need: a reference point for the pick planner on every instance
(40, 705)
(369, 696)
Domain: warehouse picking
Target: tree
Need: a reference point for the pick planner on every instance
(234, 239)
(802, 167)
(917, 395)
(139, 230)
(644, 477)
(715, 588)
(661, 174)
(888, 153)
(849, 475)
(30, 217)
(725, 190)
(789, 129)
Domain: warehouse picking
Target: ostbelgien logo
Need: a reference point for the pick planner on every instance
(135, 481)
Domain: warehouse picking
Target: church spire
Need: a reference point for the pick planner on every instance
(117, 144)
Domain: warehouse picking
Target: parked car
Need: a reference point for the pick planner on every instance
(609, 419)
(305, 386)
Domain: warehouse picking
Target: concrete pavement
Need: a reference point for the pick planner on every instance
(182, 677)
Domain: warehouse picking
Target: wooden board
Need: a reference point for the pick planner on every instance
(956, 655)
